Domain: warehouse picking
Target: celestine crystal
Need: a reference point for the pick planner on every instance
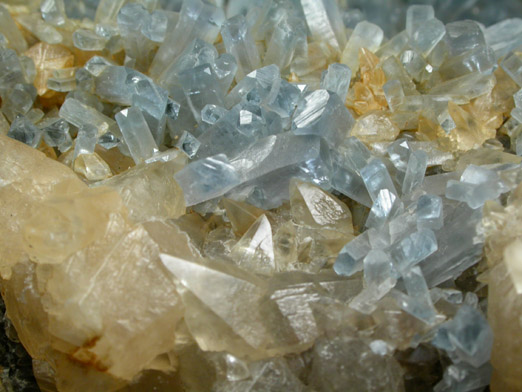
(260, 195)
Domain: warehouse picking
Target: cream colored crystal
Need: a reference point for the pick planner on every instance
(504, 255)
(149, 191)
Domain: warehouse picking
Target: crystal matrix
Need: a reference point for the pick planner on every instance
(268, 195)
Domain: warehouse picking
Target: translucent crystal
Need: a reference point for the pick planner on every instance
(428, 35)
(377, 178)
(10, 31)
(480, 59)
(337, 79)
(476, 185)
(78, 114)
(283, 42)
(350, 259)
(196, 20)
(275, 152)
(394, 94)
(56, 133)
(135, 184)
(365, 35)
(469, 335)
(206, 179)
(504, 36)
(419, 303)
(429, 212)
(92, 167)
(414, 248)
(324, 21)
(40, 29)
(240, 43)
(323, 114)
(414, 175)
(155, 27)
(53, 12)
(88, 40)
(463, 35)
(86, 140)
(242, 215)
(375, 126)
(24, 131)
(136, 134)
(418, 15)
(255, 250)
(188, 144)
(107, 10)
(512, 65)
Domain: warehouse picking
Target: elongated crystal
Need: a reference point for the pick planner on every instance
(240, 43)
(324, 21)
(365, 35)
(136, 134)
(78, 114)
(206, 179)
(337, 79)
(10, 31)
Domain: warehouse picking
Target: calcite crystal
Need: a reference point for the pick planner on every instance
(311, 195)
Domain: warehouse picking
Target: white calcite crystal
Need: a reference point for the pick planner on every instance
(233, 196)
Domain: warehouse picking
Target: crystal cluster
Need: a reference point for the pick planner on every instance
(289, 195)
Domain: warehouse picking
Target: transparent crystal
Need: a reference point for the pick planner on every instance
(24, 131)
(53, 12)
(206, 179)
(365, 35)
(417, 16)
(155, 27)
(86, 140)
(429, 212)
(463, 35)
(136, 134)
(412, 249)
(323, 114)
(512, 64)
(10, 31)
(428, 35)
(324, 21)
(56, 133)
(336, 79)
(88, 40)
(240, 43)
(188, 144)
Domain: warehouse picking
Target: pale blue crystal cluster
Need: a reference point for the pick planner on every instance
(249, 100)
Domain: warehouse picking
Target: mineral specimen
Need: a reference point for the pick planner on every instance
(260, 196)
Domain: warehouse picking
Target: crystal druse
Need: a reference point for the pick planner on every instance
(267, 195)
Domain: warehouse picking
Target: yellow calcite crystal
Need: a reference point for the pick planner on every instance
(504, 255)
(367, 93)
(75, 253)
(48, 58)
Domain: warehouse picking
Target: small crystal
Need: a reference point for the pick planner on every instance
(429, 212)
(365, 35)
(86, 140)
(512, 65)
(239, 42)
(206, 179)
(417, 16)
(155, 27)
(336, 79)
(24, 131)
(136, 134)
(88, 40)
(188, 144)
(78, 114)
(56, 133)
(53, 12)
(323, 114)
(463, 35)
(10, 31)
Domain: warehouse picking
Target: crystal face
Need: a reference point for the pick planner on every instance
(290, 195)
